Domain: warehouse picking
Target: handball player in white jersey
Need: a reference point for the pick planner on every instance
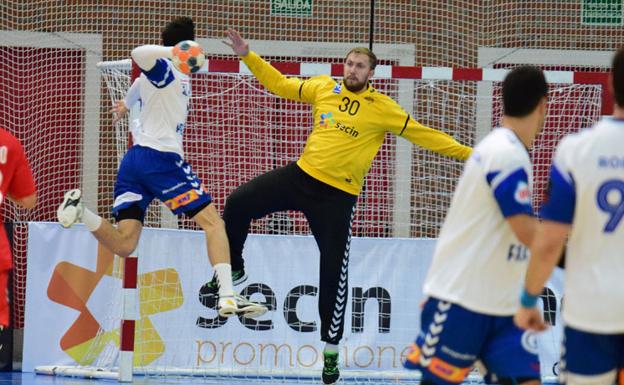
(476, 274)
(586, 208)
(154, 167)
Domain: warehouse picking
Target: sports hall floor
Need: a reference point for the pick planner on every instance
(15, 378)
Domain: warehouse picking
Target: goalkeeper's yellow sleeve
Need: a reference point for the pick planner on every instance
(402, 124)
(434, 140)
(289, 88)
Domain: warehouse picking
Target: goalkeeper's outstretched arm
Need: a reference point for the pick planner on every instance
(269, 76)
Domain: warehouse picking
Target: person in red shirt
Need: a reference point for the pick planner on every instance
(16, 184)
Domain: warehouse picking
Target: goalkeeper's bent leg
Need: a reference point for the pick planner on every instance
(276, 190)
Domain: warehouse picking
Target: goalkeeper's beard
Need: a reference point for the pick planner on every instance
(354, 85)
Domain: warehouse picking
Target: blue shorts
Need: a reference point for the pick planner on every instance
(592, 357)
(452, 338)
(145, 174)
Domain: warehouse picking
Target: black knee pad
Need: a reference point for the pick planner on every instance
(131, 212)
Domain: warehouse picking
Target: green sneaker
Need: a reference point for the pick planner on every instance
(212, 287)
(238, 277)
(331, 374)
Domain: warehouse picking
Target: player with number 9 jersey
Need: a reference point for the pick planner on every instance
(586, 210)
(587, 179)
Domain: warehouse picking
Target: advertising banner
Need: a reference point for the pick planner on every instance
(73, 304)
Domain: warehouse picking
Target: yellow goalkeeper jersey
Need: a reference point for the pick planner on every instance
(349, 128)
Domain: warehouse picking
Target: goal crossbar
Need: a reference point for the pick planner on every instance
(305, 69)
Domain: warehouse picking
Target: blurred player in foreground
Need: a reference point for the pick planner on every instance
(587, 204)
(154, 167)
(479, 262)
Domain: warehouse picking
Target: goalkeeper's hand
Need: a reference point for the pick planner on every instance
(237, 43)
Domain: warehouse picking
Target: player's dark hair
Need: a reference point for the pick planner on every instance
(618, 77)
(177, 30)
(523, 88)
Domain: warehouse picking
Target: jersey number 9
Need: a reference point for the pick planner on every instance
(609, 203)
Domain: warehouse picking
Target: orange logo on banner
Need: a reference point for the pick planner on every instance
(72, 286)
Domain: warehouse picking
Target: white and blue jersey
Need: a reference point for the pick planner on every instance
(164, 94)
(154, 166)
(478, 262)
(477, 271)
(587, 191)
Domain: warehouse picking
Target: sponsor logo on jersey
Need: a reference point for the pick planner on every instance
(326, 119)
(369, 99)
(448, 371)
(347, 129)
(522, 194)
(337, 88)
(183, 199)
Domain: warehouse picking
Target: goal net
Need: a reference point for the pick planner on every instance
(237, 131)
(55, 99)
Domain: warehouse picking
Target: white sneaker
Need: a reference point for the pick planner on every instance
(238, 305)
(70, 211)
(227, 306)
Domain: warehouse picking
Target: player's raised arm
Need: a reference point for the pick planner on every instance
(269, 76)
(146, 56)
(236, 42)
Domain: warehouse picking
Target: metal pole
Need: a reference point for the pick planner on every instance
(371, 31)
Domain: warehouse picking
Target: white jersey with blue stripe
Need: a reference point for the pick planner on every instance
(164, 94)
(478, 262)
(587, 191)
